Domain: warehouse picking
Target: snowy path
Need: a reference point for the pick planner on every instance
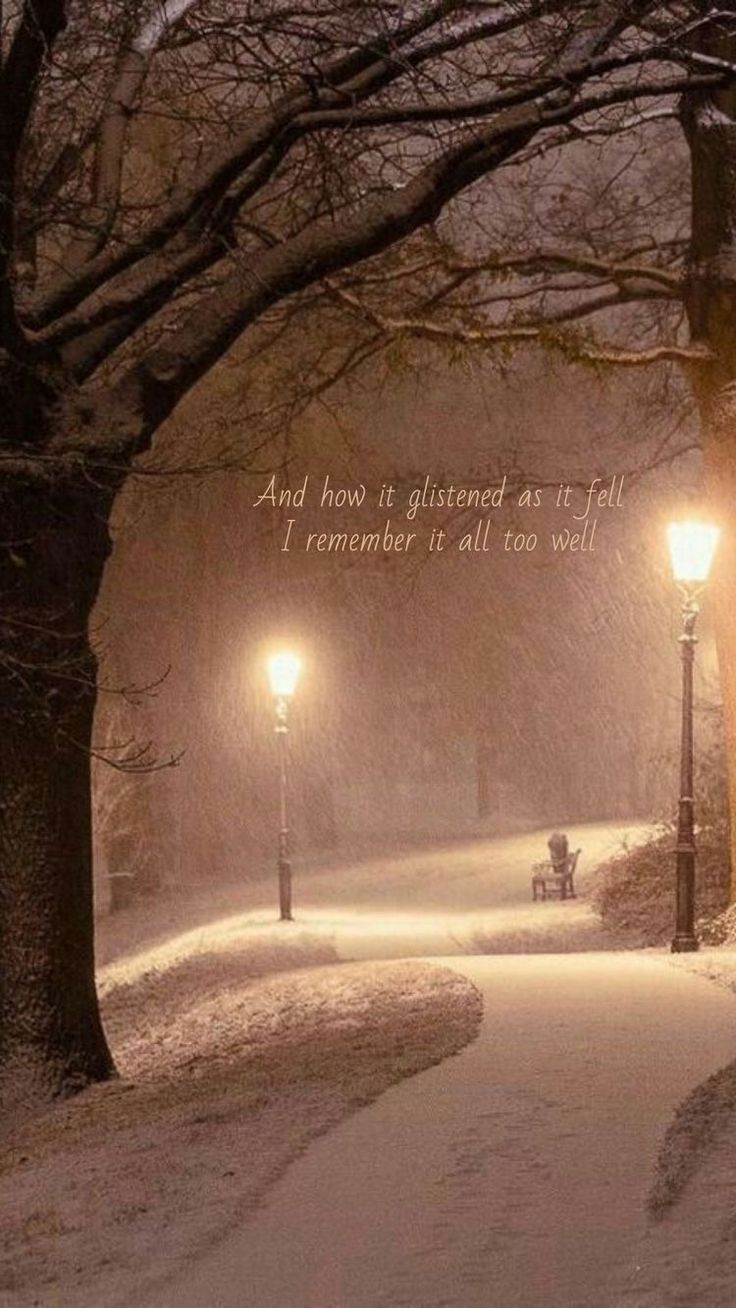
(511, 1176)
(457, 899)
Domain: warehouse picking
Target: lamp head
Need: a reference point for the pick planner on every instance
(283, 673)
(692, 544)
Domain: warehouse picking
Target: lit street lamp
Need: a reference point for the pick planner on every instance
(692, 545)
(283, 674)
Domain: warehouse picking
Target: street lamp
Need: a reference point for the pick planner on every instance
(283, 674)
(692, 545)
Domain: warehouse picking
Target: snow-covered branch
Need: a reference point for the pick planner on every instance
(109, 146)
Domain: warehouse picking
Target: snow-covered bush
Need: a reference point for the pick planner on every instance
(635, 891)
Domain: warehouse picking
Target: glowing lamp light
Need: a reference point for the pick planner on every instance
(283, 673)
(692, 546)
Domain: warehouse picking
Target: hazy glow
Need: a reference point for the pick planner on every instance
(283, 672)
(692, 546)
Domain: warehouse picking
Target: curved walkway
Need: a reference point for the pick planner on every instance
(511, 1176)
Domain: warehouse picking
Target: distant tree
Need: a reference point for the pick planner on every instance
(171, 175)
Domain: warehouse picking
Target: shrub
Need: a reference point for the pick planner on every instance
(635, 891)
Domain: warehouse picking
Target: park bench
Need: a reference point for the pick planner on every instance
(555, 879)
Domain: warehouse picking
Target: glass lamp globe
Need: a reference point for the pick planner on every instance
(283, 673)
(692, 545)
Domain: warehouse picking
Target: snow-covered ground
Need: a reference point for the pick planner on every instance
(523, 1164)
(514, 1175)
(687, 1255)
(115, 1189)
(471, 897)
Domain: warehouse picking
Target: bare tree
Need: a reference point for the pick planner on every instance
(173, 172)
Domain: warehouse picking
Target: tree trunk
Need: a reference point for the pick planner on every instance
(51, 561)
(709, 122)
(720, 462)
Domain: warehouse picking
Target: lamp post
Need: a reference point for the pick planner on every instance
(283, 674)
(691, 545)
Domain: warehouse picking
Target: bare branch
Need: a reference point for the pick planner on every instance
(40, 23)
(154, 385)
(543, 329)
(210, 184)
(112, 132)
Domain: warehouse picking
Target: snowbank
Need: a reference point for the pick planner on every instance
(687, 1258)
(108, 1194)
